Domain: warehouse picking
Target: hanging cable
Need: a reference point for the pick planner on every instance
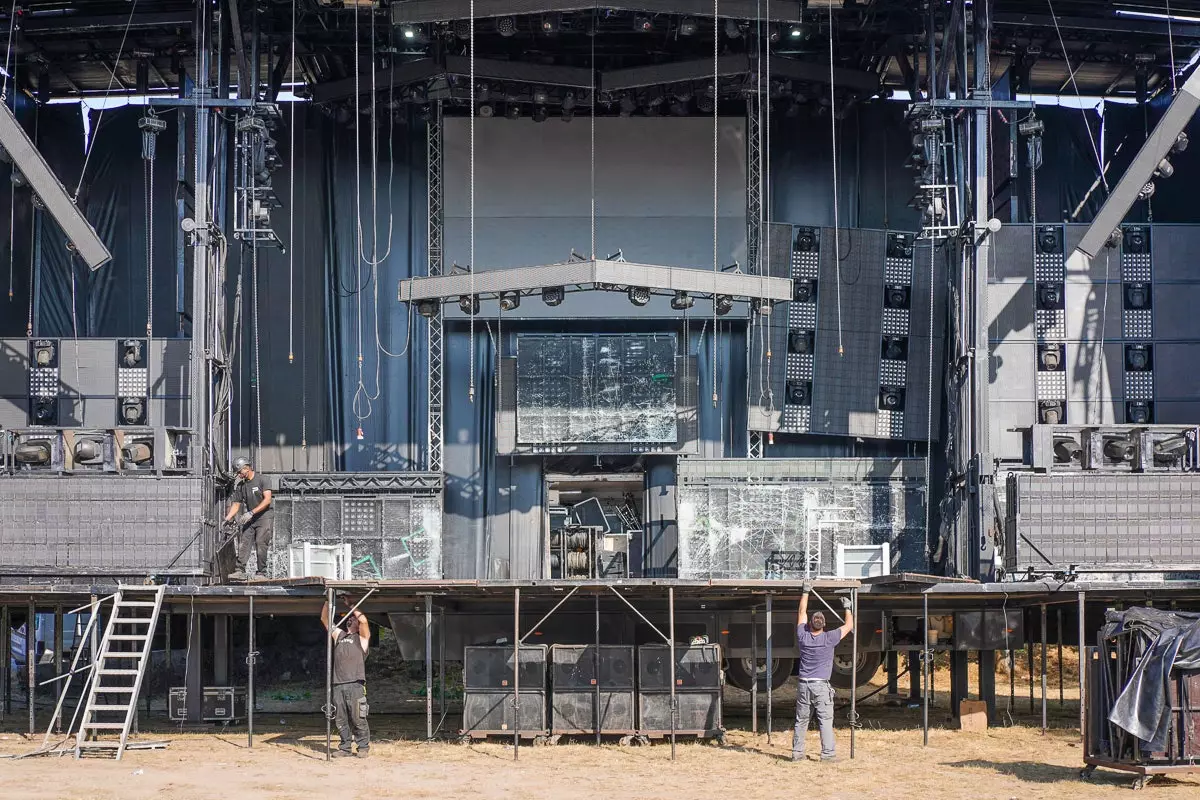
(303, 320)
(374, 267)
(716, 98)
(929, 396)
(87, 155)
(33, 220)
(471, 257)
(837, 243)
(12, 231)
(592, 133)
(12, 26)
(375, 259)
(292, 203)
(1078, 96)
(1171, 49)
(257, 365)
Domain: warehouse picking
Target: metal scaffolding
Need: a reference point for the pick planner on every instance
(436, 322)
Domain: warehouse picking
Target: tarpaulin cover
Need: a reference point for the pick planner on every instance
(1172, 642)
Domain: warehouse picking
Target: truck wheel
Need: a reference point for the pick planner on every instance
(868, 665)
(738, 672)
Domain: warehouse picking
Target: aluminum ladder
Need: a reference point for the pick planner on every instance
(120, 664)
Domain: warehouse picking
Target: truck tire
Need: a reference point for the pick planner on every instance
(737, 673)
(868, 665)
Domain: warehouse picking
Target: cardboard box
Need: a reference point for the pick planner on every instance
(972, 715)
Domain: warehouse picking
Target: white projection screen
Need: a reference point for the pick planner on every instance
(654, 198)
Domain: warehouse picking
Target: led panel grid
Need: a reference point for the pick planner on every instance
(1139, 385)
(132, 381)
(1138, 323)
(895, 322)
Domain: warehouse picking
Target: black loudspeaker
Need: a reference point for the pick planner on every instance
(699, 712)
(696, 667)
(575, 711)
(574, 666)
(492, 712)
(490, 667)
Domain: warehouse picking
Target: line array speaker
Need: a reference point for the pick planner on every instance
(1050, 326)
(1137, 323)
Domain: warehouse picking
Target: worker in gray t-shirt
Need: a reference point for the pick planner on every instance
(816, 645)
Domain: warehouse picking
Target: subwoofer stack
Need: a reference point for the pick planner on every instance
(488, 683)
(584, 698)
(697, 690)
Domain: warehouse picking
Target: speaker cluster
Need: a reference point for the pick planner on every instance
(44, 382)
(1050, 326)
(1137, 324)
(133, 382)
(894, 345)
(802, 328)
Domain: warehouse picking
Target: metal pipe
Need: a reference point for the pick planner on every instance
(428, 666)
(1058, 612)
(6, 660)
(170, 661)
(31, 664)
(251, 658)
(1082, 675)
(925, 665)
(58, 659)
(853, 670)
(754, 671)
(596, 660)
(62, 696)
(329, 676)
(1044, 669)
(441, 666)
(517, 670)
(671, 628)
(770, 666)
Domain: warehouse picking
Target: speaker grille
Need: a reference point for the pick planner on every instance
(490, 667)
(699, 712)
(575, 711)
(492, 712)
(696, 666)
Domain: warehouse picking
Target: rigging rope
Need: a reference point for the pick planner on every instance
(716, 102)
(292, 205)
(33, 220)
(12, 25)
(1171, 49)
(1075, 86)
(837, 244)
(12, 232)
(471, 257)
(592, 132)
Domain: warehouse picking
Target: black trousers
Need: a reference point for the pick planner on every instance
(350, 715)
(255, 536)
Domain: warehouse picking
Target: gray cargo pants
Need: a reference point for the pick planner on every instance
(812, 695)
(350, 715)
(257, 537)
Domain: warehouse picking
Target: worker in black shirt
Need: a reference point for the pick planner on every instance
(350, 681)
(251, 505)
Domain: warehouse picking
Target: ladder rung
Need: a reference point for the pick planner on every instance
(137, 603)
(106, 726)
(121, 654)
(127, 637)
(108, 708)
(111, 689)
(102, 744)
(116, 672)
(129, 620)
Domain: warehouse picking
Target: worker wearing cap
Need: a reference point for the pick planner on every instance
(349, 681)
(814, 693)
(251, 506)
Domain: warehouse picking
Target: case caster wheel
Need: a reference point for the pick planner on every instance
(553, 740)
(463, 740)
(644, 741)
(625, 741)
(1139, 783)
(719, 739)
(1086, 773)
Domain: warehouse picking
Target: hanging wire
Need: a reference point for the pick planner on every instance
(303, 319)
(592, 133)
(12, 26)
(471, 257)
(292, 205)
(716, 98)
(87, 156)
(1171, 49)
(12, 232)
(1083, 111)
(837, 243)
(33, 220)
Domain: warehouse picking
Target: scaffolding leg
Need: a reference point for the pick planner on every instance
(329, 676)
(1082, 675)
(596, 662)
(916, 675)
(6, 664)
(853, 672)
(1044, 725)
(987, 682)
(1059, 620)
(31, 664)
(671, 634)
(892, 665)
(59, 639)
(754, 671)
(251, 657)
(516, 673)
(428, 666)
(770, 667)
(926, 672)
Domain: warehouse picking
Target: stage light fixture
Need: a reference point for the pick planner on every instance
(897, 296)
(567, 115)
(679, 109)
(1050, 296)
(469, 304)
(506, 26)
(1164, 169)
(138, 452)
(650, 110)
(1140, 412)
(1049, 239)
(409, 32)
(1181, 142)
(899, 245)
(551, 23)
(1147, 191)
(133, 411)
(722, 304)
(627, 104)
(45, 411)
(796, 32)
(1139, 358)
(891, 398)
(806, 240)
(553, 295)
(1119, 448)
(800, 342)
(44, 353)
(642, 23)
(1050, 358)
(682, 301)
(895, 348)
(1067, 449)
(568, 101)
(732, 29)
(638, 295)
(510, 301)
(427, 308)
(1136, 239)
(462, 29)
(539, 114)
(1051, 412)
(88, 451)
(483, 93)
(799, 393)
(1137, 295)
(705, 103)
(486, 110)
(804, 291)
(688, 26)
(34, 452)
(512, 111)
(540, 95)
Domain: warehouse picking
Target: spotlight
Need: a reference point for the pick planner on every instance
(1051, 412)
(627, 104)
(1139, 357)
(462, 29)
(1049, 239)
(506, 26)
(805, 291)
(567, 115)
(510, 301)
(642, 23)
(894, 348)
(1050, 358)
(796, 32)
(800, 342)
(483, 93)
(133, 411)
(131, 353)
(469, 304)
(1136, 239)
(45, 411)
(1066, 449)
(1119, 448)
(1181, 143)
(88, 451)
(551, 23)
(1146, 191)
(486, 110)
(540, 95)
(681, 301)
(539, 114)
(138, 452)
(774, 33)
(568, 101)
(799, 393)
(806, 240)
(1164, 169)
(732, 30)
(44, 353)
(705, 103)
(1137, 295)
(1139, 412)
(34, 452)
(688, 26)
(678, 108)
(409, 32)
(1050, 296)
(891, 398)
(427, 308)
(896, 296)
(512, 111)
(722, 304)
(639, 295)
(553, 295)
(899, 246)
(761, 306)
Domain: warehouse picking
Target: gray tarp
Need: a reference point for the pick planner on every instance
(1172, 641)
